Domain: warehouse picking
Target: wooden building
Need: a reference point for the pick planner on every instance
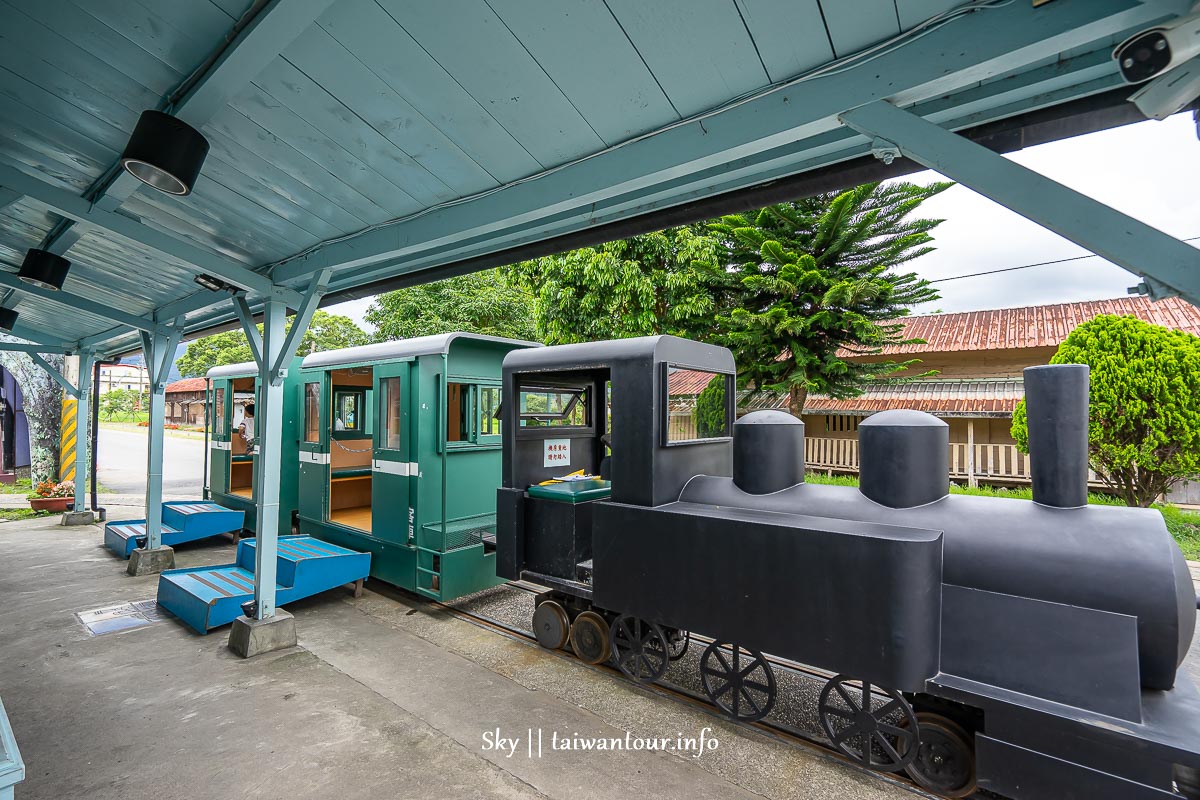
(978, 357)
(185, 401)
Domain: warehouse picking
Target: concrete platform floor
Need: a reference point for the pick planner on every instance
(386, 697)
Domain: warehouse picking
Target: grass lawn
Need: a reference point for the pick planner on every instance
(1183, 525)
(11, 514)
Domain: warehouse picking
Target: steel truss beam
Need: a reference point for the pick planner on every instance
(1162, 259)
(77, 303)
(66, 204)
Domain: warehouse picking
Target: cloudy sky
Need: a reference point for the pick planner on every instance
(1150, 170)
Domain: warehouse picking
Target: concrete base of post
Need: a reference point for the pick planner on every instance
(78, 518)
(252, 637)
(151, 562)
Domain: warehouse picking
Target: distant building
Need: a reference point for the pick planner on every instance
(122, 376)
(185, 401)
(978, 357)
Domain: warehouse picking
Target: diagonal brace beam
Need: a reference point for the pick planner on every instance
(1162, 259)
(58, 377)
(159, 351)
(253, 337)
(304, 314)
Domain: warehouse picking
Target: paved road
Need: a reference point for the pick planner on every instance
(122, 463)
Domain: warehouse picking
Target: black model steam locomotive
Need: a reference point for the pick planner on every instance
(1032, 648)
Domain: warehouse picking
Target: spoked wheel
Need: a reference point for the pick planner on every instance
(589, 638)
(550, 625)
(639, 648)
(738, 680)
(879, 734)
(677, 643)
(945, 760)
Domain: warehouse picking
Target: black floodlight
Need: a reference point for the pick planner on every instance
(8, 318)
(165, 152)
(45, 269)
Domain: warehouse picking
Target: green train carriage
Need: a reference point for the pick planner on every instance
(232, 461)
(400, 456)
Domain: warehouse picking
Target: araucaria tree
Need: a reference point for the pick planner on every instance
(670, 281)
(1144, 431)
(818, 275)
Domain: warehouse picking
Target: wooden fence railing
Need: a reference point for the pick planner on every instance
(986, 462)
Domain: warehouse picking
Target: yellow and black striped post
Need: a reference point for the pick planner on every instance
(66, 458)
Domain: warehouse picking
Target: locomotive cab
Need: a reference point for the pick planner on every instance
(601, 421)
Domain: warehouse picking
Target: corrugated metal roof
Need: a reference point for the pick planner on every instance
(1032, 326)
(978, 397)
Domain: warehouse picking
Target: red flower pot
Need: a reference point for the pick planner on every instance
(51, 503)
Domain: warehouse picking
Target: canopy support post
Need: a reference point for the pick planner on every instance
(264, 628)
(159, 353)
(83, 407)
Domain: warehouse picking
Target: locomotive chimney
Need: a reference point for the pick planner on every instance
(768, 452)
(904, 458)
(1056, 404)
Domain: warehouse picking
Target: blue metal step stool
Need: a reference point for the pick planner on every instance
(209, 597)
(182, 521)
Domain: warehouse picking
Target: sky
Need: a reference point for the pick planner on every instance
(1150, 170)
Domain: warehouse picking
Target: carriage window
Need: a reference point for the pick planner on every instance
(557, 407)
(489, 410)
(697, 406)
(348, 408)
(218, 425)
(312, 413)
(458, 412)
(389, 404)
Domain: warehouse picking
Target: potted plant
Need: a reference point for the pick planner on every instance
(51, 496)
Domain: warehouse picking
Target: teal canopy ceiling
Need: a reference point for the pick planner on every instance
(388, 139)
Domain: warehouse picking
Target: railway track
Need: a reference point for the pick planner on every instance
(778, 730)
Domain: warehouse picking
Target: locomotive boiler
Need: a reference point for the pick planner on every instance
(1031, 648)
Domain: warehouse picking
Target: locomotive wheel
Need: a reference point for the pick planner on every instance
(738, 680)
(550, 625)
(677, 644)
(858, 725)
(945, 760)
(589, 638)
(640, 648)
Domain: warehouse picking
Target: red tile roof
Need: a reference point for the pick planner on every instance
(688, 381)
(187, 385)
(1032, 326)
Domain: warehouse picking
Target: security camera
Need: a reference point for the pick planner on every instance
(1156, 50)
(1170, 93)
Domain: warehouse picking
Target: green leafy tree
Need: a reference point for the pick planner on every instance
(481, 302)
(1144, 431)
(710, 409)
(818, 275)
(325, 332)
(122, 404)
(670, 281)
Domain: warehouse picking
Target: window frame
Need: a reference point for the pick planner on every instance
(364, 431)
(382, 429)
(664, 413)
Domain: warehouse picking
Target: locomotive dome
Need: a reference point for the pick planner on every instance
(904, 458)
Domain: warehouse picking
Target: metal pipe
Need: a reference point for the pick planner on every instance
(101, 513)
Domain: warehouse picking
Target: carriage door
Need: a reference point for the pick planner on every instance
(220, 414)
(393, 466)
(313, 498)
